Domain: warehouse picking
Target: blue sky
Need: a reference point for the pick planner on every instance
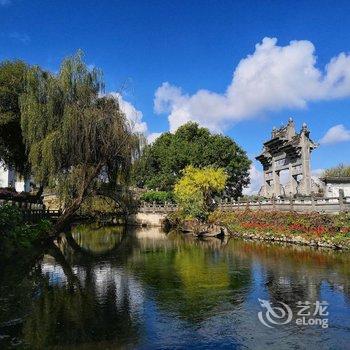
(196, 47)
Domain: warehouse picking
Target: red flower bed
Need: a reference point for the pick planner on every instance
(285, 222)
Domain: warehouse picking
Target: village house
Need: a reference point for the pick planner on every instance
(332, 186)
(10, 178)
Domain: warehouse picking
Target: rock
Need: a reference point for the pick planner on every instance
(211, 231)
(225, 231)
(203, 229)
(189, 226)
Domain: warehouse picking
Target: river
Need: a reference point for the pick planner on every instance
(111, 288)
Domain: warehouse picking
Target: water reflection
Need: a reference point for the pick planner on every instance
(189, 277)
(107, 288)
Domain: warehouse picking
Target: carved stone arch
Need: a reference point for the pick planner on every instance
(287, 150)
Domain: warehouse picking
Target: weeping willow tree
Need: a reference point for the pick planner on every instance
(12, 85)
(77, 140)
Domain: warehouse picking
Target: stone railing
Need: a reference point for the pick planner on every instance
(305, 204)
(156, 208)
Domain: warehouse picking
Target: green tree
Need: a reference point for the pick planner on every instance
(196, 189)
(76, 139)
(12, 85)
(161, 163)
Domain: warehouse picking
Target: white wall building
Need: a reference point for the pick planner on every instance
(332, 185)
(9, 178)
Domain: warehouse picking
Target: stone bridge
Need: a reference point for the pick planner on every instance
(151, 214)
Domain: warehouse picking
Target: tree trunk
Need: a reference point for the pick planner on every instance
(69, 212)
(40, 192)
(66, 217)
(72, 278)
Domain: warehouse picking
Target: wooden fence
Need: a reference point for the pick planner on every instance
(32, 212)
(33, 216)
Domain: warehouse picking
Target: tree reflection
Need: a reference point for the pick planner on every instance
(88, 243)
(61, 316)
(16, 290)
(97, 239)
(193, 278)
(80, 297)
(89, 289)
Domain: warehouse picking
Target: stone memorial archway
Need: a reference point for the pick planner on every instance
(287, 150)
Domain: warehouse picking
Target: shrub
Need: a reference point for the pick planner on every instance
(339, 171)
(195, 191)
(10, 217)
(159, 197)
(24, 236)
(15, 234)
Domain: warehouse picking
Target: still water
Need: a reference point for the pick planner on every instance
(106, 288)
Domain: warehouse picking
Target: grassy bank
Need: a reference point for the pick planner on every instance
(17, 237)
(302, 228)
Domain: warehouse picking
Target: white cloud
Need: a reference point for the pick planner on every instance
(153, 136)
(256, 181)
(317, 172)
(336, 134)
(135, 117)
(272, 78)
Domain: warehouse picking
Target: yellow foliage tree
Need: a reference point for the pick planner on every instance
(196, 189)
